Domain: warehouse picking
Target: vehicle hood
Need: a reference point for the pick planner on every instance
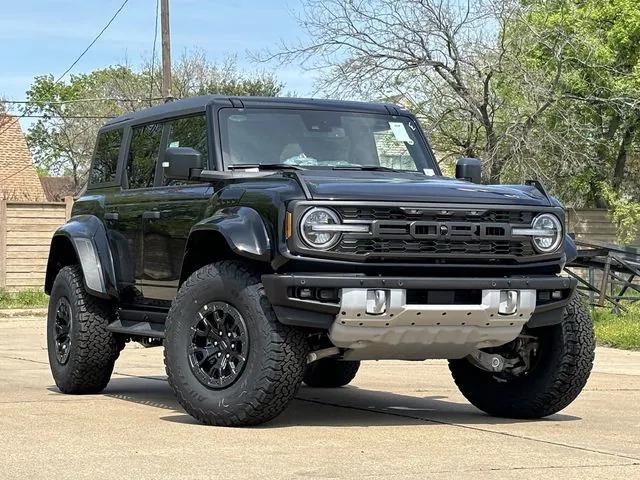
(401, 187)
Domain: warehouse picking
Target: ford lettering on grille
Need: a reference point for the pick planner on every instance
(440, 230)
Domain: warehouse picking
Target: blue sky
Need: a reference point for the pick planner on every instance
(45, 36)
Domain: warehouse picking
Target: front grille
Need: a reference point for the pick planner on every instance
(381, 247)
(449, 234)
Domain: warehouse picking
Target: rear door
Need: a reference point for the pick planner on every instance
(126, 208)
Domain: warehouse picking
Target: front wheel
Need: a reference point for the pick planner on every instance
(551, 367)
(228, 359)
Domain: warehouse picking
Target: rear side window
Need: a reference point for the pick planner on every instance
(188, 132)
(143, 155)
(105, 159)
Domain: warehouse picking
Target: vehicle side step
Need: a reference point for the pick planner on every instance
(137, 328)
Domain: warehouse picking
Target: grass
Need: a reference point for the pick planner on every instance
(26, 299)
(619, 331)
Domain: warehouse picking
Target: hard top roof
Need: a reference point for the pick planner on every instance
(194, 104)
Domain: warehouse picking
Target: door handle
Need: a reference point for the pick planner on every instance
(151, 215)
(111, 216)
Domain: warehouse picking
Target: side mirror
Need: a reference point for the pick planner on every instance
(181, 163)
(469, 169)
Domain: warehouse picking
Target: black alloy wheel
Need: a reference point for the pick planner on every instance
(62, 327)
(219, 345)
(229, 360)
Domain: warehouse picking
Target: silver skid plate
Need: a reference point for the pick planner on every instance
(417, 332)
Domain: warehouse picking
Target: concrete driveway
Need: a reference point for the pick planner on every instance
(398, 420)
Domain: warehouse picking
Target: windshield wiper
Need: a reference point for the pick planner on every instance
(263, 166)
(372, 168)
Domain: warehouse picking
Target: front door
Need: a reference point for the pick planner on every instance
(175, 206)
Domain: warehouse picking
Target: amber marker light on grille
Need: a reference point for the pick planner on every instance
(288, 225)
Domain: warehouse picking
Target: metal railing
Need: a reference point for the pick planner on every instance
(612, 274)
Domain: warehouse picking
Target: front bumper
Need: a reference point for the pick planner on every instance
(417, 318)
(291, 310)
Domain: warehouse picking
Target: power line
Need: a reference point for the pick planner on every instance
(69, 116)
(62, 76)
(16, 173)
(78, 100)
(77, 59)
(93, 41)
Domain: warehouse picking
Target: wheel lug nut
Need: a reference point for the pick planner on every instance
(219, 354)
(227, 355)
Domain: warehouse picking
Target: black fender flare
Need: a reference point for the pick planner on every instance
(242, 228)
(570, 249)
(88, 237)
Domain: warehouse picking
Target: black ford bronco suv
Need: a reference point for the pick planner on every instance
(270, 242)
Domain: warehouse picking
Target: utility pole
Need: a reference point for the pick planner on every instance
(166, 50)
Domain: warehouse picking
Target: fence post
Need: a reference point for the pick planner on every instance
(3, 244)
(68, 204)
(605, 280)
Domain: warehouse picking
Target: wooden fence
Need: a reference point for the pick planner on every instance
(25, 236)
(592, 225)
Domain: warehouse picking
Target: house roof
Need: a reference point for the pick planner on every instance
(57, 188)
(18, 177)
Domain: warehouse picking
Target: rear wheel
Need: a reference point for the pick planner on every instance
(228, 359)
(330, 373)
(548, 368)
(82, 352)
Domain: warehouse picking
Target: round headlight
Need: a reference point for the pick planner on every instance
(548, 232)
(313, 227)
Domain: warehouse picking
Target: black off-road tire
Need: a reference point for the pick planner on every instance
(93, 349)
(330, 373)
(563, 365)
(565, 359)
(274, 364)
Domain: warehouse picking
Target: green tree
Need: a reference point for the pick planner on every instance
(599, 86)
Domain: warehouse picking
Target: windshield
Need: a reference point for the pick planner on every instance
(322, 139)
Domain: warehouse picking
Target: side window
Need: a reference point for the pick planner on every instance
(105, 159)
(143, 155)
(188, 132)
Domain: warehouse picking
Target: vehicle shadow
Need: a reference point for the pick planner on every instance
(349, 406)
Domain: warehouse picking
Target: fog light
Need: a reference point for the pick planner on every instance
(557, 295)
(305, 293)
(376, 302)
(508, 302)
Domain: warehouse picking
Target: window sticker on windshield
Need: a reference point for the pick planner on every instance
(429, 172)
(174, 144)
(400, 132)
